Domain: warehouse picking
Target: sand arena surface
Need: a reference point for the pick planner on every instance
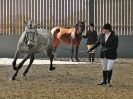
(70, 80)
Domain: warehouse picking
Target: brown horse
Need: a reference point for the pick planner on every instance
(71, 36)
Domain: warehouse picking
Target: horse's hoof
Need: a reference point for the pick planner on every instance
(77, 60)
(12, 78)
(52, 68)
(71, 60)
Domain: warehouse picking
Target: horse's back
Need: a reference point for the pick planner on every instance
(64, 34)
(43, 32)
(46, 36)
(62, 30)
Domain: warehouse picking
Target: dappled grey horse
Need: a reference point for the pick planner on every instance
(33, 41)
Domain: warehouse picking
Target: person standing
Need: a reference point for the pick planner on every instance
(109, 41)
(91, 37)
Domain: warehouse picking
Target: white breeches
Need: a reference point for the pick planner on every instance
(107, 64)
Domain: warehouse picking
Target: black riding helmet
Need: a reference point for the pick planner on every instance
(91, 24)
(108, 27)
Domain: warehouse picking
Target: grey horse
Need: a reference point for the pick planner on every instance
(33, 41)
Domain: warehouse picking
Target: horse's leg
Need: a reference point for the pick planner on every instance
(76, 55)
(31, 61)
(56, 44)
(15, 59)
(19, 66)
(55, 47)
(72, 53)
(51, 62)
(51, 57)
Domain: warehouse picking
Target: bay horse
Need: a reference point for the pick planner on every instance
(33, 41)
(71, 36)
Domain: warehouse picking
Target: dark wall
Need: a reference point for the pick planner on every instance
(8, 46)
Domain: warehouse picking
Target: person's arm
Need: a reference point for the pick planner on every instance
(96, 44)
(114, 46)
(96, 36)
(86, 35)
(115, 43)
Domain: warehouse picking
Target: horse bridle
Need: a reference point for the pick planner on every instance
(33, 39)
(77, 27)
(33, 34)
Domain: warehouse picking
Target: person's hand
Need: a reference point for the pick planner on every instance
(88, 51)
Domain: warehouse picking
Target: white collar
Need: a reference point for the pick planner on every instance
(108, 34)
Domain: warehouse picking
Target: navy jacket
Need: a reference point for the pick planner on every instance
(91, 37)
(109, 48)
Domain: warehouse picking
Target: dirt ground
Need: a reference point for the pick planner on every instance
(72, 81)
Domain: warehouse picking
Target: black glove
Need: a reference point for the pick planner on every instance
(88, 51)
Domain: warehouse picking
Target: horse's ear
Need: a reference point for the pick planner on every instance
(31, 21)
(85, 21)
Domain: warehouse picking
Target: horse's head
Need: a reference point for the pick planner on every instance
(31, 35)
(31, 38)
(30, 25)
(80, 26)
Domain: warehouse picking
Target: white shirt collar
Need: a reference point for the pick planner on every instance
(107, 36)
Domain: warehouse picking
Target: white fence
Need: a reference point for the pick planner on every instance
(117, 12)
(50, 13)
(47, 13)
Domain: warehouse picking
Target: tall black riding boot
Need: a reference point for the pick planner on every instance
(104, 78)
(93, 57)
(109, 77)
(89, 56)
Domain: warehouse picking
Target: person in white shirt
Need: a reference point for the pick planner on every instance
(109, 42)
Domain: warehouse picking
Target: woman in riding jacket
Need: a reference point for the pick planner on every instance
(109, 41)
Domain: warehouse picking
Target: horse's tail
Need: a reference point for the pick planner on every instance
(55, 30)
